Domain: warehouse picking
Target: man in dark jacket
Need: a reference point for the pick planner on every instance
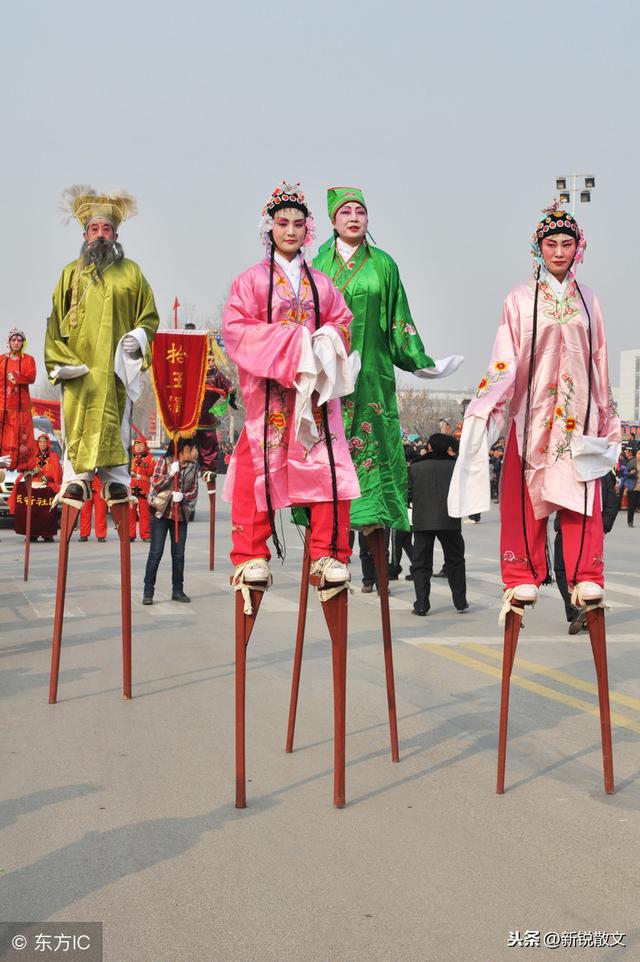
(429, 480)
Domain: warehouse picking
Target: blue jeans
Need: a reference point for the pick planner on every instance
(159, 529)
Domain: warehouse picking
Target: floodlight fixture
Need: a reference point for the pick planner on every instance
(561, 183)
(585, 196)
(589, 183)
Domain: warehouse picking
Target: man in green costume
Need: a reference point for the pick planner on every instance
(98, 342)
(383, 333)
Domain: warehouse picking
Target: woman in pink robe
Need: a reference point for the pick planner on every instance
(549, 372)
(291, 359)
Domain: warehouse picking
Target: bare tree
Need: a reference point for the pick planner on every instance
(421, 414)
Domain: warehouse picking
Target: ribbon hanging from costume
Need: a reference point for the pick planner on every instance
(178, 368)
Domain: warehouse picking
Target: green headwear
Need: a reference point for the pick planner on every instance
(337, 196)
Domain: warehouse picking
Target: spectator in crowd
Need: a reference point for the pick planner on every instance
(169, 500)
(577, 617)
(429, 480)
(631, 482)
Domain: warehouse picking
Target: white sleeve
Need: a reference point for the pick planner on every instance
(470, 488)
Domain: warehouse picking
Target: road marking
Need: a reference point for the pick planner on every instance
(454, 641)
(533, 686)
(563, 677)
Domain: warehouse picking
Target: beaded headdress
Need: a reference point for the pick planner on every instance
(557, 221)
(285, 195)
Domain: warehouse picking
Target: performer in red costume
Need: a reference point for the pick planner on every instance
(142, 465)
(47, 477)
(17, 371)
(98, 505)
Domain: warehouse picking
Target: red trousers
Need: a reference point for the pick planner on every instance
(250, 528)
(141, 509)
(100, 506)
(513, 555)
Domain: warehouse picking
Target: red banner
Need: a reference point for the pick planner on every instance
(46, 409)
(179, 367)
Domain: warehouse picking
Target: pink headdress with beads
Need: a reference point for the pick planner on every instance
(284, 196)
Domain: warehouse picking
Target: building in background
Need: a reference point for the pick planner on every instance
(628, 394)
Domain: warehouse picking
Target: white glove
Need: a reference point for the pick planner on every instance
(68, 371)
(130, 344)
(443, 367)
(5, 461)
(178, 496)
(173, 470)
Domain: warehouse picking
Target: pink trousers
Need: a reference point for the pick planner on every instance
(513, 554)
(250, 528)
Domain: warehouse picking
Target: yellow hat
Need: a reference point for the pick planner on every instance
(84, 203)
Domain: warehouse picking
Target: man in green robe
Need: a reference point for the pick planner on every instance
(383, 333)
(98, 342)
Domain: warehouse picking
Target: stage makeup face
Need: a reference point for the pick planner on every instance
(558, 253)
(289, 231)
(351, 222)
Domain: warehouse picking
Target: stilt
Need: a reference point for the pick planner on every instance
(335, 614)
(244, 627)
(597, 636)
(28, 480)
(211, 488)
(297, 658)
(120, 515)
(379, 554)
(67, 524)
(512, 626)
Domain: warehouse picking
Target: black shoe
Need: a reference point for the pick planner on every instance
(440, 574)
(84, 537)
(118, 492)
(132, 539)
(146, 540)
(578, 623)
(408, 577)
(421, 612)
(147, 599)
(180, 596)
(462, 610)
(366, 589)
(102, 540)
(394, 575)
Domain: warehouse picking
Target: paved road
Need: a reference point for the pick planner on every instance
(123, 812)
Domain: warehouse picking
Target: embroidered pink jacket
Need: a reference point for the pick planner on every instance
(261, 350)
(559, 391)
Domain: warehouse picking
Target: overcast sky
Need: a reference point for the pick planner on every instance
(454, 118)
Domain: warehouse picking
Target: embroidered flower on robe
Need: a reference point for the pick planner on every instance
(499, 369)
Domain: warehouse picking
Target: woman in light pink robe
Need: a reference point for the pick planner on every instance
(544, 420)
(285, 352)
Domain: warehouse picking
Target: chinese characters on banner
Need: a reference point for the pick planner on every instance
(179, 366)
(48, 409)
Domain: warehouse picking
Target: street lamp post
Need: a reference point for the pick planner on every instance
(568, 195)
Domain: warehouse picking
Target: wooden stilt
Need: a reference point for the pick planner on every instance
(511, 632)
(379, 554)
(335, 613)
(67, 524)
(28, 480)
(211, 488)
(297, 658)
(597, 636)
(120, 515)
(244, 627)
